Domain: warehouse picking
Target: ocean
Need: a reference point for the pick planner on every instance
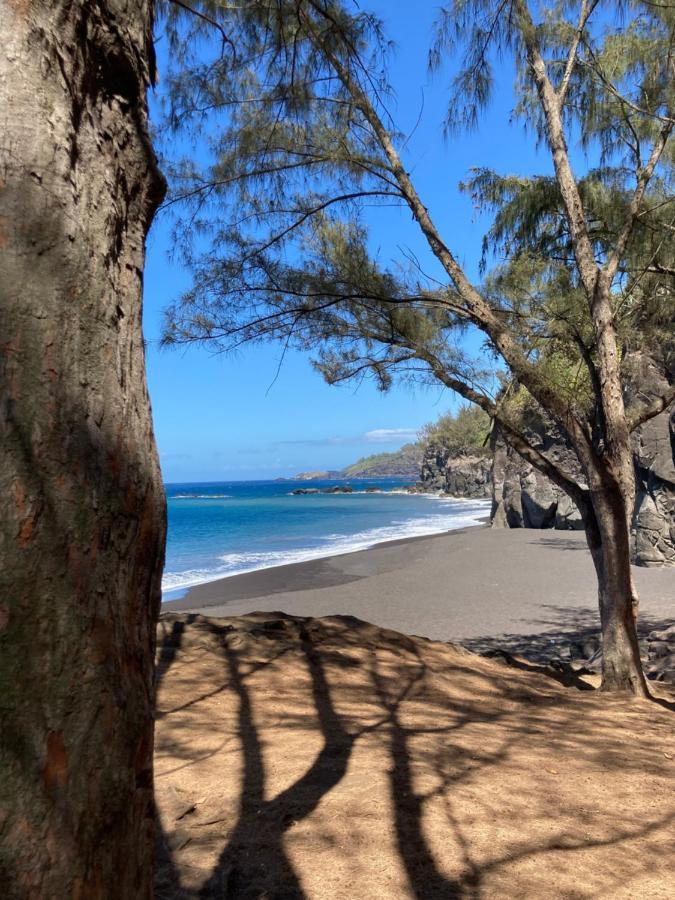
(226, 528)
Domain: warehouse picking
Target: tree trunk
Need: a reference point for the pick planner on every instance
(608, 536)
(82, 520)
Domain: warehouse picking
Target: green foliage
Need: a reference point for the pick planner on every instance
(468, 428)
(405, 461)
(295, 94)
(274, 234)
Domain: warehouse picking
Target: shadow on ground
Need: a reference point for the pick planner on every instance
(558, 626)
(328, 758)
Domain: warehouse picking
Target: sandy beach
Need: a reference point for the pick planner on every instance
(326, 757)
(522, 589)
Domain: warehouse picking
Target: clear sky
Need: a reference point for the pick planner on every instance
(243, 417)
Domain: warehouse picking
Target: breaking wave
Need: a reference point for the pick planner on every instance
(238, 563)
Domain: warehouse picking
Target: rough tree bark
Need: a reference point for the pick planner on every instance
(82, 517)
(607, 525)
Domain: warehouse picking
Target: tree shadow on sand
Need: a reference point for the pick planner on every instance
(268, 872)
(397, 702)
(556, 628)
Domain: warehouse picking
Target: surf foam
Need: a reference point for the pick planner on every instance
(331, 545)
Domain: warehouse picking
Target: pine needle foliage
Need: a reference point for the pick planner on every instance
(272, 202)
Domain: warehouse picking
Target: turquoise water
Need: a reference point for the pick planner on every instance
(216, 530)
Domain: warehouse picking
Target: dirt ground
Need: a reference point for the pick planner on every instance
(332, 759)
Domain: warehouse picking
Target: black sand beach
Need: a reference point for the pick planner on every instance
(523, 589)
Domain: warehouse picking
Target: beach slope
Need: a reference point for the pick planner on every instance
(329, 758)
(523, 589)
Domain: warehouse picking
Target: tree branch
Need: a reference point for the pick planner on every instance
(483, 316)
(581, 243)
(584, 15)
(626, 101)
(225, 38)
(639, 413)
(643, 178)
(544, 465)
(518, 441)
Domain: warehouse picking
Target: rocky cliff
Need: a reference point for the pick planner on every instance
(523, 498)
(654, 532)
(466, 473)
(403, 463)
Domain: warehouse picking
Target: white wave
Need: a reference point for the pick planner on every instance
(332, 545)
(437, 495)
(201, 497)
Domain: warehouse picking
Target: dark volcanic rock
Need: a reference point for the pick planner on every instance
(586, 647)
(654, 518)
(336, 489)
(657, 652)
(660, 662)
(465, 473)
(524, 498)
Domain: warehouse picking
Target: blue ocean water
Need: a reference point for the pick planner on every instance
(222, 529)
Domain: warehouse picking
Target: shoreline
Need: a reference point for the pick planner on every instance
(522, 589)
(328, 553)
(194, 592)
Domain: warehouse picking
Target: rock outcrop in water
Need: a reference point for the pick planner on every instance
(336, 489)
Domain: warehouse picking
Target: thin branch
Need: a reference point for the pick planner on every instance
(518, 441)
(644, 176)
(584, 15)
(200, 15)
(626, 101)
(477, 308)
(582, 245)
(342, 198)
(642, 412)
(536, 458)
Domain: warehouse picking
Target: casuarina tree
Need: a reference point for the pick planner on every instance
(294, 96)
(82, 524)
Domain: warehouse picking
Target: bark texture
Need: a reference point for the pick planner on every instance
(607, 532)
(82, 521)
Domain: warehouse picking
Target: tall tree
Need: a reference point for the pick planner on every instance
(296, 99)
(82, 522)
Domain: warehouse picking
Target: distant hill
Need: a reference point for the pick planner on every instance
(403, 463)
(467, 428)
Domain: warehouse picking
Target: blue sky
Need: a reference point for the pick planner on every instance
(221, 417)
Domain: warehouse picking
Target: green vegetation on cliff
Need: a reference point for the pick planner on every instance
(404, 462)
(468, 427)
